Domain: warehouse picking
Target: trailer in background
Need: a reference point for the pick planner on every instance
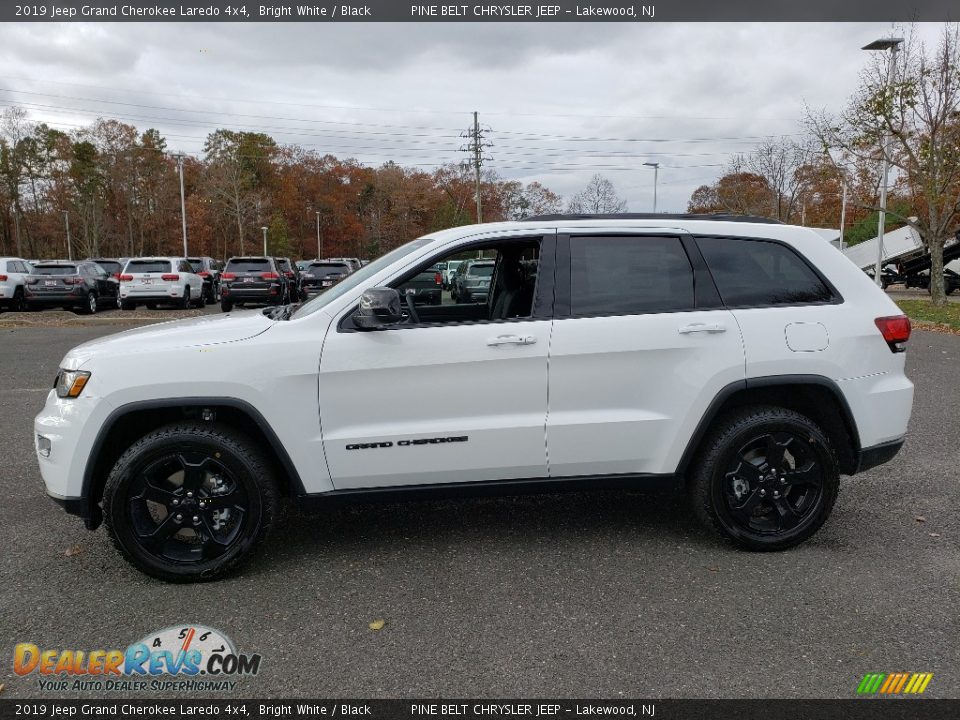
(906, 260)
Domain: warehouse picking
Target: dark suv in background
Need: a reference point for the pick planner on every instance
(84, 287)
(254, 280)
(113, 266)
(323, 274)
(294, 280)
(209, 269)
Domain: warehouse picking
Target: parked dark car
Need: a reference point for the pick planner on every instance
(294, 279)
(209, 269)
(472, 281)
(426, 287)
(113, 266)
(253, 280)
(318, 276)
(83, 287)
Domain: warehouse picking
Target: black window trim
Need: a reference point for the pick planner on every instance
(705, 294)
(543, 296)
(837, 298)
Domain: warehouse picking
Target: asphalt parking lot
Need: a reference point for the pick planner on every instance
(585, 595)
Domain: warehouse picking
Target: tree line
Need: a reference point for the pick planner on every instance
(119, 190)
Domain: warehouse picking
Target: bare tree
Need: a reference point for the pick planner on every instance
(597, 198)
(920, 113)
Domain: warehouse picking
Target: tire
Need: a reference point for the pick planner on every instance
(17, 303)
(213, 294)
(127, 305)
(151, 306)
(149, 513)
(731, 489)
(90, 306)
(201, 301)
(225, 305)
(185, 301)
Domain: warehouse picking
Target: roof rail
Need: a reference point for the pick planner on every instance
(727, 217)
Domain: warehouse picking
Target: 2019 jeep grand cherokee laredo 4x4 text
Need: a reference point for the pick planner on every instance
(750, 360)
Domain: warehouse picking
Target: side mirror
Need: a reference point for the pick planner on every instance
(379, 307)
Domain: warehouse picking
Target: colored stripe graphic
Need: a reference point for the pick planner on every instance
(894, 683)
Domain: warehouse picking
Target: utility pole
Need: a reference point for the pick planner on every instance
(264, 228)
(475, 147)
(319, 239)
(183, 203)
(66, 219)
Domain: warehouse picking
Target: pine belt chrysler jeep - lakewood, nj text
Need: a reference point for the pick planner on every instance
(747, 359)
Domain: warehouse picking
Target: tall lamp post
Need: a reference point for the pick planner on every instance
(656, 168)
(264, 228)
(183, 203)
(319, 241)
(66, 220)
(893, 45)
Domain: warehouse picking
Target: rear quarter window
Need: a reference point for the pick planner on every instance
(757, 273)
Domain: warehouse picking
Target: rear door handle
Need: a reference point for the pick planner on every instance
(702, 327)
(511, 340)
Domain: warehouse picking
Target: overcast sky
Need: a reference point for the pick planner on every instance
(562, 101)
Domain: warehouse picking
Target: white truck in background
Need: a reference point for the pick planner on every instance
(906, 260)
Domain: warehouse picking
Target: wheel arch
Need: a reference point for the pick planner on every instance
(815, 396)
(132, 421)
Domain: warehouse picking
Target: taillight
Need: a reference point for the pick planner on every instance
(270, 276)
(228, 276)
(170, 276)
(116, 276)
(125, 278)
(895, 330)
(288, 273)
(72, 280)
(203, 273)
(438, 279)
(3, 278)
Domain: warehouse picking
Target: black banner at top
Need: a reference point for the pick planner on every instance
(531, 12)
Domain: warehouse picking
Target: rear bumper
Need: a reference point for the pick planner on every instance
(67, 298)
(255, 295)
(871, 457)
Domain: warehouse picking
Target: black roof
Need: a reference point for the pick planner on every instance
(727, 217)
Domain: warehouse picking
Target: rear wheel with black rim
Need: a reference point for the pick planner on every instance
(184, 303)
(17, 303)
(189, 502)
(225, 305)
(766, 478)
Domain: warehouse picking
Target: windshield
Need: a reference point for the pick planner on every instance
(480, 270)
(55, 269)
(360, 276)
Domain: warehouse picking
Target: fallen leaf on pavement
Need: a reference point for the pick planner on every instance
(920, 518)
(377, 624)
(73, 550)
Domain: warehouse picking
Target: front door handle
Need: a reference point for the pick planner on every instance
(511, 340)
(702, 327)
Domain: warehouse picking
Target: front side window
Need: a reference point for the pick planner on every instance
(757, 273)
(625, 275)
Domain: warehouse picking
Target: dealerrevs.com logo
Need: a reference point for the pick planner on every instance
(182, 658)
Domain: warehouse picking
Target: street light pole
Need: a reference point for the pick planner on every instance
(183, 203)
(843, 213)
(264, 228)
(656, 168)
(319, 241)
(66, 219)
(893, 45)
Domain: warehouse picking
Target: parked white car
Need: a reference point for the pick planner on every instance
(13, 277)
(747, 361)
(160, 280)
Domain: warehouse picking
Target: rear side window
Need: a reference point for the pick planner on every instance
(752, 273)
(148, 266)
(251, 265)
(629, 275)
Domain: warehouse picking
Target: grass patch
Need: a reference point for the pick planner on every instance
(922, 311)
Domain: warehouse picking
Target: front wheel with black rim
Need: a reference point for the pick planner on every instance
(189, 502)
(766, 478)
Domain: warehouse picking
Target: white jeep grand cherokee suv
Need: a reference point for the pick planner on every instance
(747, 359)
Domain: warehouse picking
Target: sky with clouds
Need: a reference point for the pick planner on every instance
(561, 101)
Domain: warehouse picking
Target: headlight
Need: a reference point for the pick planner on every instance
(70, 383)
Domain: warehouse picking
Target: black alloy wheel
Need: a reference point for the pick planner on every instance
(767, 478)
(189, 501)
